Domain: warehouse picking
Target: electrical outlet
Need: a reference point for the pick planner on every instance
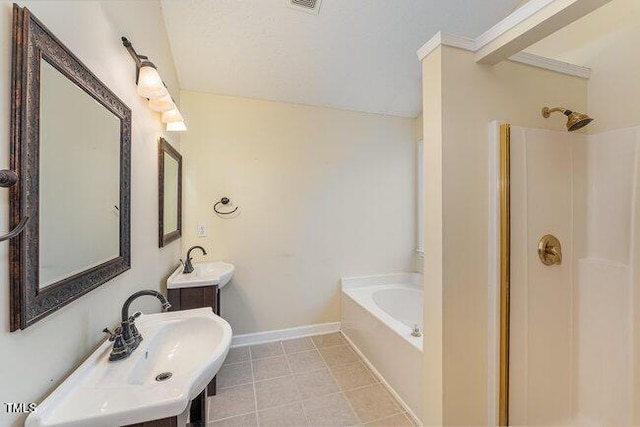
(202, 230)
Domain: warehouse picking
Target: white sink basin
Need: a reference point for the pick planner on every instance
(191, 344)
(203, 274)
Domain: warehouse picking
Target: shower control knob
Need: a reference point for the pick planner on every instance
(550, 250)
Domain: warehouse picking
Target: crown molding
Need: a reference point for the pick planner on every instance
(519, 15)
(433, 43)
(460, 42)
(446, 39)
(551, 64)
(521, 29)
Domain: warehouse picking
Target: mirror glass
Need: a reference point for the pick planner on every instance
(169, 193)
(170, 220)
(79, 179)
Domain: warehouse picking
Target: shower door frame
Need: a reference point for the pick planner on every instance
(504, 189)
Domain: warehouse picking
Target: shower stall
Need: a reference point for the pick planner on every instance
(569, 276)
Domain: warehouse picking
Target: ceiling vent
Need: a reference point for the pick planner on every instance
(309, 6)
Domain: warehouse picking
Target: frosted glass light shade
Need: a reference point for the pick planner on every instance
(176, 127)
(149, 82)
(172, 116)
(162, 104)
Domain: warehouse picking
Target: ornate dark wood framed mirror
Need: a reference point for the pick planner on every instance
(170, 193)
(71, 147)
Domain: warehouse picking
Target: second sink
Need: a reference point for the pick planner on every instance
(204, 274)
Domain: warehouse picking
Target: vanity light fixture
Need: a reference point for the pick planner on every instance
(176, 126)
(172, 116)
(150, 85)
(162, 104)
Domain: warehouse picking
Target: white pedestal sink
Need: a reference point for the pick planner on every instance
(203, 274)
(190, 345)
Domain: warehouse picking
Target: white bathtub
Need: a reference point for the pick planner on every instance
(378, 315)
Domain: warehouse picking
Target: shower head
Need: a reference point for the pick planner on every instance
(575, 120)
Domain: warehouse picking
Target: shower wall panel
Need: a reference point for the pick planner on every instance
(610, 168)
(572, 325)
(541, 360)
(603, 351)
(605, 183)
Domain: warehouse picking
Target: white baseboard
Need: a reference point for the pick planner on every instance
(284, 334)
(378, 375)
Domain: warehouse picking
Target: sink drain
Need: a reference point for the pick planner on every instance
(163, 376)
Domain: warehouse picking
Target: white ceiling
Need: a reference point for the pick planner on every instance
(355, 54)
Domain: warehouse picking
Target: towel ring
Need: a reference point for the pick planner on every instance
(224, 201)
(19, 228)
(9, 178)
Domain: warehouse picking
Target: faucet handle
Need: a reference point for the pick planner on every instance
(134, 316)
(113, 334)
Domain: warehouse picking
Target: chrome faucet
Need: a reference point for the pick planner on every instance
(188, 267)
(126, 337)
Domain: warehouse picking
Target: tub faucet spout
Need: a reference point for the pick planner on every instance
(415, 331)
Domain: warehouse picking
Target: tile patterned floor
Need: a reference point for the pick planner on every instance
(316, 381)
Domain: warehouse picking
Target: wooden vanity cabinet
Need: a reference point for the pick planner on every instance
(197, 415)
(197, 297)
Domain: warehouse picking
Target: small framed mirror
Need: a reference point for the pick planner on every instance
(170, 193)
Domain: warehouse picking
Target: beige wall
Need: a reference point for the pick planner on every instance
(635, 291)
(457, 194)
(34, 360)
(419, 127)
(614, 84)
(419, 258)
(432, 344)
(322, 193)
